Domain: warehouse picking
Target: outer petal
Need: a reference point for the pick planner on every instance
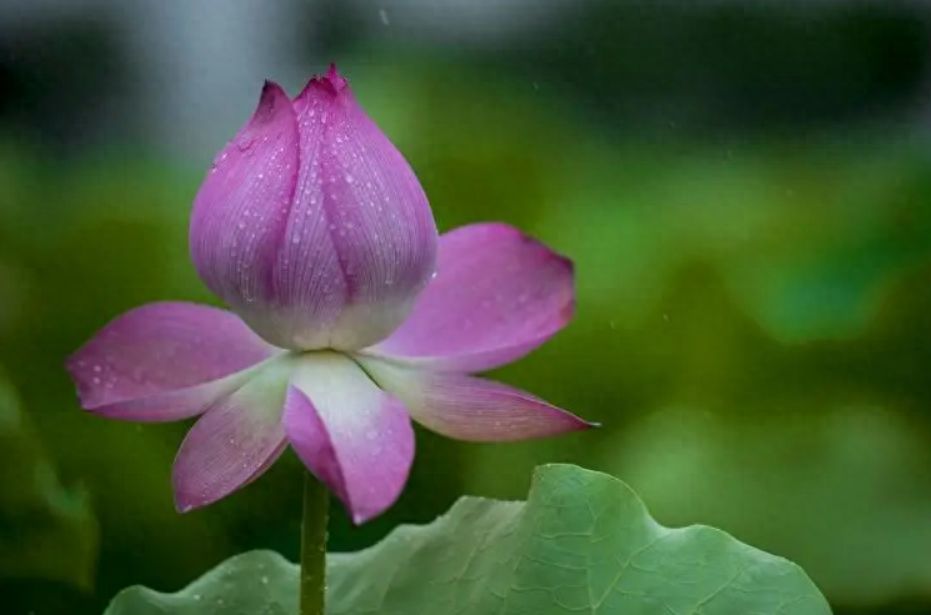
(360, 241)
(354, 437)
(235, 441)
(164, 361)
(241, 211)
(468, 408)
(498, 295)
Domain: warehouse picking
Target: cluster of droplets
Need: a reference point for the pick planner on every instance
(254, 226)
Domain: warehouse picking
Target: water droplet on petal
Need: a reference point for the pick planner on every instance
(244, 143)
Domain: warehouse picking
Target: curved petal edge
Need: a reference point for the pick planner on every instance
(497, 296)
(164, 361)
(234, 442)
(468, 408)
(355, 438)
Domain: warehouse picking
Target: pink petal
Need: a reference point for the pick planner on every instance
(312, 225)
(468, 408)
(236, 440)
(360, 241)
(240, 213)
(498, 295)
(164, 361)
(354, 437)
(173, 405)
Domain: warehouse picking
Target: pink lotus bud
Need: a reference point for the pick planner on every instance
(311, 225)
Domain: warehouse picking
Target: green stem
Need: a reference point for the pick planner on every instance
(313, 546)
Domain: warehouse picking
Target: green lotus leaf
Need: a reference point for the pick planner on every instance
(582, 543)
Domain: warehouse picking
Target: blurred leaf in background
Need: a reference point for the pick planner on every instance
(841, 489)
(48, 531)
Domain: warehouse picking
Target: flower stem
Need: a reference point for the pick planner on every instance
(313, 546)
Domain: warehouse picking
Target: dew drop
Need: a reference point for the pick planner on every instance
(245, 143)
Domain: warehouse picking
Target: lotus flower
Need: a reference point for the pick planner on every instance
(350, 315)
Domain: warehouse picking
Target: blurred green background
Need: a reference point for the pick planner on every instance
(745, 188)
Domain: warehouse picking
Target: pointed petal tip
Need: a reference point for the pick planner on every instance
(583, 425)
(185, 500)
(184, 503)
(566, 423)
(271, 99)
(362, 518)
(331, 82)
(336, 81)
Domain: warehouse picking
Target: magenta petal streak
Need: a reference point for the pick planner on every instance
(498, 295)
(354, 437)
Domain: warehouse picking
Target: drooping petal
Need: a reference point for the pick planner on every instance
(353, 436)
(360, 241)
(234, 442)
(164, 361)
(240, 213)
(469, 408)
(498, 295)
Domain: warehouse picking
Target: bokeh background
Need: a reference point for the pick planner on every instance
(744, 186)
